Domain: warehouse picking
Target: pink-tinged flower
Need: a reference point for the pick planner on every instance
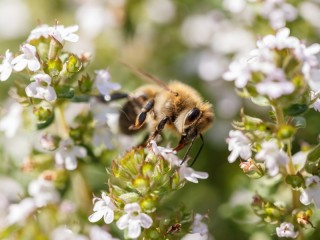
(133, 220)
(20, 211)
(312, 192)
(41, 88)
(191, 175)
(239, 145)
(273, 157)
(27, 59)
(6, 66)
(103, 207)
(43, 192)
(67, 154)
(103, 84)
(286, 230)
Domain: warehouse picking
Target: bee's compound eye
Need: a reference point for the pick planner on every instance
(192, 115)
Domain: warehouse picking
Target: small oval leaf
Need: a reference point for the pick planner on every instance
(296, 109)
(64, 91)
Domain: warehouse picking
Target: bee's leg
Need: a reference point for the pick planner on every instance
(160, 127)
(141, 118)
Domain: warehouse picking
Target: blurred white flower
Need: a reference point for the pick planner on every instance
(197, 30)
(273, 156)
(15, 19)
(191, 175)
(198, 226)
(102, 82)
(310, 11)
(67, 153)
(20, 211)
(286, 230)
(27, 59)
(278, 12)
(160, 11)
(299, 159)
(6, 66)
(234, 6)
(211, 66)
(312, 192)
(239, 145)
(41, 88)
(275, 85)
(194, 236)
(98, 233)
(102, 135)
(133, 220)
(43, 192)
(11, 121)
(64, 233)
(103, 207)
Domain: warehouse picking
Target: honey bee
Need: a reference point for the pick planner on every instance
(174, 105)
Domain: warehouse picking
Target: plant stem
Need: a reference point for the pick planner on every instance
(61, 122)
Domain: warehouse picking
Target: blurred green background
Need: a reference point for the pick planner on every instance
(192, 41)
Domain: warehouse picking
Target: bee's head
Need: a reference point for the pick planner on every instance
(196, 121)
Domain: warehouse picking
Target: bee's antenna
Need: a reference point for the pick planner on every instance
(195, 158)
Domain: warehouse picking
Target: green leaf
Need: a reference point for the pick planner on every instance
(64, 91)
(314, 154)
(296, 109)
(299, 122)
(295, 181)
(46, 123)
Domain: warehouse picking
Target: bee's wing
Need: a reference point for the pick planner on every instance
(148, 77)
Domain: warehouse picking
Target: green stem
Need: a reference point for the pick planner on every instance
(61, 122)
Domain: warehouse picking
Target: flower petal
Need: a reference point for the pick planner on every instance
(134, 229)
(33, 65)
(108, 216)
(146, 220)
(123, 222)
(96, 216)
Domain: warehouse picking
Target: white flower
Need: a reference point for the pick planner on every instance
(195, 236)
(41, 88)
(20, 211)
(67, 154)
(103, 207)
(191, 175)
(286, 230)
(102, 82)
(11, 121)
(42, 30)
(312, 192)
(27, 59)
(281, 40)
(98, 233)
(239, 145)
(6, 66)
(240, 72)
(167, 153)
(273, 156)
(61, 33)
(133, 220)
(102, 136)
(43, 192)
(64, 233)
(275, 85)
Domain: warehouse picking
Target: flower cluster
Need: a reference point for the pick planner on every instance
(281, 73)
(141, 178)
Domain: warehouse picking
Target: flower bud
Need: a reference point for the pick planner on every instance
(252, 169)
(303, 217)
(85, 84)
(49, 141)
(286, 132)
(73, 64)
(53, 67)
(148, 204)
(141, 184)
(42, 114)
(54, 49)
